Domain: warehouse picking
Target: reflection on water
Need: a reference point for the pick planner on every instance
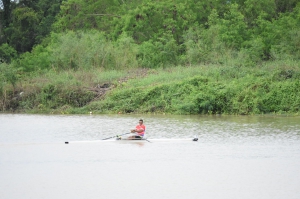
(235, 157)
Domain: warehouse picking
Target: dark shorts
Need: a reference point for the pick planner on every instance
(138, 137)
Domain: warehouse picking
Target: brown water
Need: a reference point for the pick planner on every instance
(235, 157)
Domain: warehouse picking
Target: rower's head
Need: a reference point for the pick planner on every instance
(141, 121)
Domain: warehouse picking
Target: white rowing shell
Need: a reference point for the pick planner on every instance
(142, 140)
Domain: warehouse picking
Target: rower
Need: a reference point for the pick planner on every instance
(139, 130)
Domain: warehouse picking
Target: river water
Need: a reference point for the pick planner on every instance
(235, 157)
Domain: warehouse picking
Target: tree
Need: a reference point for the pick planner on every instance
(48, 10)
(6, 12)
(21, 32)
(233, 30)
(4, 18)
(252, 9)
(285, 6)
(87, 14)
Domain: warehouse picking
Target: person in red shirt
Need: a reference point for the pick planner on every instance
(139, 130)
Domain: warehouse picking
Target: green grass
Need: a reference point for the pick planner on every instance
(272, 88)
(206, 89)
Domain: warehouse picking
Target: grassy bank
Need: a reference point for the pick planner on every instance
(206, 89)
(209, 90)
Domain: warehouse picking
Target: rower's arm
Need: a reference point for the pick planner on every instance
(137, 130)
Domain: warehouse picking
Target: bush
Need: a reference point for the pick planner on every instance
(8, 74)
(7, 53)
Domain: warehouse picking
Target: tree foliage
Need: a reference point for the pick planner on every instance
(25, 24)
(160, 33)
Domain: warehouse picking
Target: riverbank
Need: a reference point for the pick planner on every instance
(271, 88)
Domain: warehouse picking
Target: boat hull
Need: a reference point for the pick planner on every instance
(130, 137)
(138, 140)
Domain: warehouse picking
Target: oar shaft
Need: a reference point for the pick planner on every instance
(114, 136)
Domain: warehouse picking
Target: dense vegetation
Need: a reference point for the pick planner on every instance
(213, 56)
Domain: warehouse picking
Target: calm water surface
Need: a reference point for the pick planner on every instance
(235, 157)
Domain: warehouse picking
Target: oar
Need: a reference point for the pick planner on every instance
(115, 136)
